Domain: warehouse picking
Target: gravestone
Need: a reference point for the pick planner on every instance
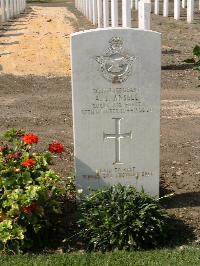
(116, 107)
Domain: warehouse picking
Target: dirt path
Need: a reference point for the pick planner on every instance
(38, 43)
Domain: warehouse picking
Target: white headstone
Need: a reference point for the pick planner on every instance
(126, 13)
(7, 9)
(177, 9)
(84, 7)
(11, 8)
(80, 7)
(105, 13)
(144, 14)
(190, 11)
(156, 7)
(116, 107)
(15, 7)
(20, 5)
(183, 3)
(136, 4)
(132, 4)
(87, 8)
(90, 10)
(114, 13)
(165, 8)
(94, 12)
(3, 11)
(100, 13)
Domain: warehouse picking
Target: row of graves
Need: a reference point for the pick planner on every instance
(101, 12)
(116, 73)
(11, 9)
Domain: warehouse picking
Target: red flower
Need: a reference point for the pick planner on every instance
(30, 138)
(56, 148)
(29, 163)
(30, 208)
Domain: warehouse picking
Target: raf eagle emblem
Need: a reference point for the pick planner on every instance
(116, 64)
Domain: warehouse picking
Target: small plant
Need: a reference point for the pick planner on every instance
(119, 217)
(28, 191)
(195, 60)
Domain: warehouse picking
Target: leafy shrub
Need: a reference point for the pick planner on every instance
(29, 192)
(195, 60)
(121, 218)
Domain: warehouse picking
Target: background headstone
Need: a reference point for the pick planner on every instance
(116, 107)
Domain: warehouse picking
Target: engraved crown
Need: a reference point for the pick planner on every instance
(116, 43)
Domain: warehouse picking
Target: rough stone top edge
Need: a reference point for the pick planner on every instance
(110, 29)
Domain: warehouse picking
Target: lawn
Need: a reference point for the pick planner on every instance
(188, 257)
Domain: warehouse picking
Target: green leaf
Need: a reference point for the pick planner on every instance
(197, 68)
(10, 134)
(196, 50)
(27, 177)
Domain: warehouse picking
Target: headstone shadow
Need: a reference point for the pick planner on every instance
(19, 19)
(15, 20)
(5, 54)
(179, 232)
(11, 35)
(14, 23)
(186, 199)
(8, 43)
(171, 51)
(12, 29)
(178, 67)
(91, 179)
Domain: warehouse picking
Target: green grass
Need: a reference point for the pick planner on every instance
(187, 257)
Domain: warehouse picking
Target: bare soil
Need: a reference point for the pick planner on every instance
(35, 94)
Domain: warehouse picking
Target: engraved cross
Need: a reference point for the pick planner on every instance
(117, 136)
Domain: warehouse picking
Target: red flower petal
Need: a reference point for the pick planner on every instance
(56, 147)
(29, 163)
(30, 208)
(30, 138)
